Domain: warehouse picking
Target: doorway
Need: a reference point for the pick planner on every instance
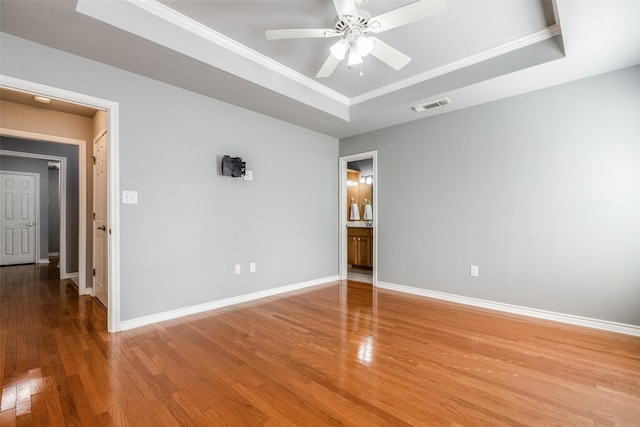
(112, 265)
(59, 224)
(358, 217)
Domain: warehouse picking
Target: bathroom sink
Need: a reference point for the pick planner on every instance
(360, 224)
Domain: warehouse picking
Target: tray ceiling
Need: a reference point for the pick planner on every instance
(475, 51)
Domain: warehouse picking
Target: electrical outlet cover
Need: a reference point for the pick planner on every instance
(129, 197)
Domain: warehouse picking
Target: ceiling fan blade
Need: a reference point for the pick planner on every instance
(346, 7)
(406, 14)
(389, 55)
(327, 68)
(303, 33)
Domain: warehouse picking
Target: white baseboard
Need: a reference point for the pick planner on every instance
(515, 309)
(75, 277)
(44, 261)
(181, 312)
(54, 253)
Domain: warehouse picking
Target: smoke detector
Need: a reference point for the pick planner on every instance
(437, 103)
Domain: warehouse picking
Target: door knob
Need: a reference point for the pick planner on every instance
(103, 228)
(31, 224)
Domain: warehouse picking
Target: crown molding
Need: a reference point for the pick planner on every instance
(547, 33)
(176, 18)
(185, 35)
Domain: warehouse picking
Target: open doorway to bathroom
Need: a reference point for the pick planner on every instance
(358, 218)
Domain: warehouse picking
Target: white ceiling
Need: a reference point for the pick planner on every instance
(476, 51)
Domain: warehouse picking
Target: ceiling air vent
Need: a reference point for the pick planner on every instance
(437, 103)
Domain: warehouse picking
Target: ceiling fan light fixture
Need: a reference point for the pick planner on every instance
(339, 49)
(354, 57)
(364, 45)
(353, 24)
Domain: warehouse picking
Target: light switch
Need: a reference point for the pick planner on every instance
(129, 197)
(252, 267)
(248, 175)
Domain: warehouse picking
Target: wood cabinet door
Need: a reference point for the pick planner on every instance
(352, 250)
(365, 245)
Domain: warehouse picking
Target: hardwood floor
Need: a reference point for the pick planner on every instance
(335, 354)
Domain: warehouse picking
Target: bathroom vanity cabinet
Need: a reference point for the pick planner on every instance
(360, 246)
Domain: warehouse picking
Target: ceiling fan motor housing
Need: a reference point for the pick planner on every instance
(349, 22)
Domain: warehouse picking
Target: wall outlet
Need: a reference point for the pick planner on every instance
(129, 197)
(252, 267)
(474, 270)
(237, 268)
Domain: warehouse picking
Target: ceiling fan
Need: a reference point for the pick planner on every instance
(353, 27)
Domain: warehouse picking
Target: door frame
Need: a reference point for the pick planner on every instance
(343, 208)
(36, 177)
(62, 195)
(113, 181)
(102, 132)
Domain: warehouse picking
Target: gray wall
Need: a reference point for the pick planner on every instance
(541, 191)
(70, 152)
(180, 243)
(40, 167)
(54, 211)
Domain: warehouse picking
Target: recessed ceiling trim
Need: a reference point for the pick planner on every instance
(547, 33)
(176, 18)
(160, 24)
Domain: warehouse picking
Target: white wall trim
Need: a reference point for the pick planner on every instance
(176, 18)
(43, 261)
(113, 164)
(194, 309)
(74, 280)
(166, 33)
(161, 24)
(74, 277)
(342, 221)
(20, 134)
(62, 186)
(588, 322)
(494, 52)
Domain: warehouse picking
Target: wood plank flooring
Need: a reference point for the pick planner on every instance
(340, 354)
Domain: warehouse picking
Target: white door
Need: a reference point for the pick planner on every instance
(19, 195)
(100, 226)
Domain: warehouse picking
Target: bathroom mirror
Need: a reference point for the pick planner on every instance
(360, 190)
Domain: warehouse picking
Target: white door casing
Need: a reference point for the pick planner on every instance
(113, 205)
(100, 221)
(343, 208)
(19, 209)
